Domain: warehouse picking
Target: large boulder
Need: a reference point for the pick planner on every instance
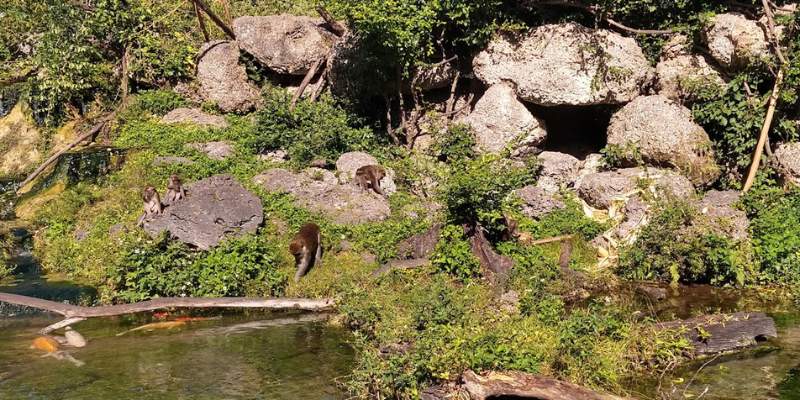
(557, 170)
(348, 163)
(601, 189)
(536, 202)
(500, 120)
(719, 213)
(287, 44)
(734, 41)
(214, 208)
(214, 150)
(20, 141)
(681, 74)
(663, 133)
(223, 80)
(434, 77)
(566, 64)
(319, 191)
(786, 161)
(194, 116)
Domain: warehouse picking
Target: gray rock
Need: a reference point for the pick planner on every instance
(344, 203)
(536, 202)
(719, 213)
(601, 189)
(591, 165)
(171, 160)
(786, 161)
(421, 245)
(500, 120)
(276, 156)
(189, 91)
(680, 77)
(566, 64)
(214, 150)
(214, 208)
(636, 213)
(194, 116)
(734, 41)
(663, 134)
(435, 77)
(81, 235)
(223, 80)
(348, 163)
(287, 44)
(557, 170)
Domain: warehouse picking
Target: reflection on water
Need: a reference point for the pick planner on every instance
(238, 356)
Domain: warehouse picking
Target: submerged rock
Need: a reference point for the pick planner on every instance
(734, 41)
(286, 44)
(214, 208)
(194, 116)
(663, 133)
(319, 191)
(566, 64)
(223, 80)
(601, 189)
(500, 120)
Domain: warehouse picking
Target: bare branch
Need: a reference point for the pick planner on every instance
(203, 6)
(336, 27)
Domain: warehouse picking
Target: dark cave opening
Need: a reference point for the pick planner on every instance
(575, 130)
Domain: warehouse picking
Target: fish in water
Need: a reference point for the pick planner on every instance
(155, 325)
(74, 338)
(45, 343)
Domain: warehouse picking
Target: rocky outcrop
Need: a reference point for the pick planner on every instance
(348, 163)
(734, 41)
(566, 64)
(719, 213)
(213, 209)
(536, 202)
(663, 133)
(500, 120)
(434, 77)
(557, 170)
(286, 44)
(681, 74)
(786, 161)
(194, 116)
(319, 191)
(19, 143)
(223, 80)
(214, 150)
(601, 189)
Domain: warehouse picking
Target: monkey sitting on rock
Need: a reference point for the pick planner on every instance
(152, 204)
(175, 190)
(369, 177)
(306, 247)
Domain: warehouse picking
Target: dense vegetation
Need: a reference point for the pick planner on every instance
(417, 326)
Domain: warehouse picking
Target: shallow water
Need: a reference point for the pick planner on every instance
(236, 356)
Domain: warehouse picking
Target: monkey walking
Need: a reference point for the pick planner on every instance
(306, 247)
(152, 204)
(369, 177)
(175, 190)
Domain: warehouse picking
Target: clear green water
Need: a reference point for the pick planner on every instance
(239, 356)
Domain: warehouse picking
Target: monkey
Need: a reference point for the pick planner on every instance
(306, 247)
(369, 176)
(152, 203)
(175, 190)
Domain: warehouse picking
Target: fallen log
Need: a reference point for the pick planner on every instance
(520, 385)
(73, 311)
(713, 334)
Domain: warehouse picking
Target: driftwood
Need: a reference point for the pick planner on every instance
(713, 334)
(519, 385)
(73, 311)
(217, 20)
(306, 80)
(335, 26)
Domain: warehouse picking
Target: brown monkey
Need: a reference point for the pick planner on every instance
(152, 203)
(369, 176)
(306, 247)
(175, 190)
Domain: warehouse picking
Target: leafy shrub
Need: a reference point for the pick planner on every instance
(237, 267)
(675, 247)
(313, 130)
(775, 232)
(159, 102)
(455, 144)
(453, 254)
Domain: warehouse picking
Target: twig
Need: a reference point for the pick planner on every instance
(69, 310)
(306, 80)
(551, 240)
(201, 21)
(451, 101)
(335, 26)
(697, 372)
(203, 6)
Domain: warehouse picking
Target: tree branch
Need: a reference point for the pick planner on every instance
(336, 27)
(203, 6)
(306, 80)
(594, 10)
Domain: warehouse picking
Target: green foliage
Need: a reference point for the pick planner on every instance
(238, 267)
(158, 102)
(456, 144)
(453, 254)
(675, 246)
(312, 130)
(775, 230)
